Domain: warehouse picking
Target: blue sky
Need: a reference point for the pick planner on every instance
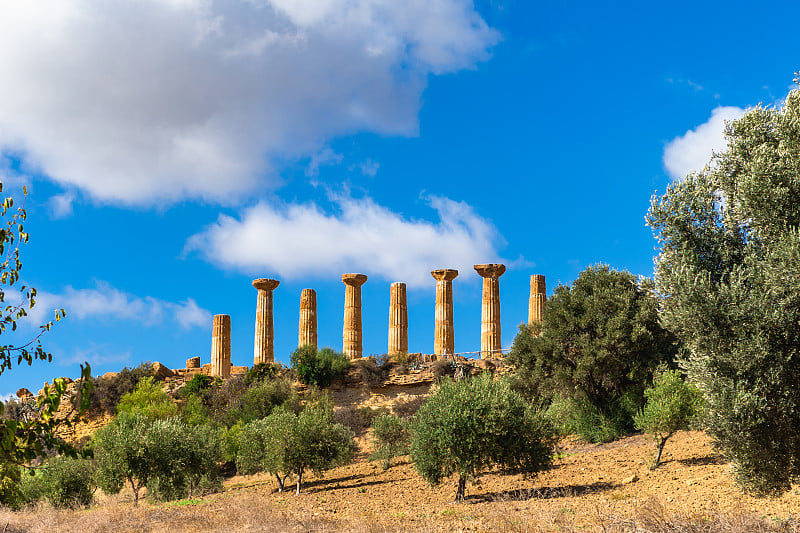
(175, 150)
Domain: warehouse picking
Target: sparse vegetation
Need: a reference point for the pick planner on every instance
(391, 437)
(109, 389)
(471, 424)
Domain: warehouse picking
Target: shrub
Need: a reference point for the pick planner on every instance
(318, 367)
(259, 401)
(261, 372)
(148, 399)
(672, 405)
(579, 416)
(408, 408)
(197, 386)
(194, 412)
(108, 390)
(390, 438)
(356, 419)
(471, 424)
(285, 443)
(369, 372)
(598, 345)
(10, 492)
(442, 367)
(168, 457)
(68, 482)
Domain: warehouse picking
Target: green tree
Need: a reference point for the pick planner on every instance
(287, 444)
(318, 367)
(597, 348)
(672, 405)
(166, 456)
(68, 482)
(468, 425)
(727, 269)
(390, 437)
(23, 440)
(148, 399)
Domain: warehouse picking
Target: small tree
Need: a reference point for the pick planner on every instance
(390, 438)
(149, 399)
(318, 367)
(285, 444)
(68, 482)
(471, 424)
(672, 405)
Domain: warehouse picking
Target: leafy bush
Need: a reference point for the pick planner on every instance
(598, 345)
(261, 372)
(318, 367)
(68, 482)
(194, 412)
(170, 458)
(442, 367)
(391, 438)
(108, 390)
(197, 386)
(368, 371)
(581, 417)
(285, 443)
(10, 492)
(259, 401)
(149, 400)
(672, 405)
(469, 425)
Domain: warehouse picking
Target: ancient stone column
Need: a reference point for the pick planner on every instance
(351, 333)
(263, 347)
(443, 333)
(398, 319)
(221, 346)
(538, 299)
(490, 309)
(307, 331)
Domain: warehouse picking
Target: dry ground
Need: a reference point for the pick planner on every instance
(591, 488)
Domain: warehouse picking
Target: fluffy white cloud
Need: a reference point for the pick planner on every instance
(691, 152)
(106, 302)
(159, 100)
(61, 204)
(302, 240)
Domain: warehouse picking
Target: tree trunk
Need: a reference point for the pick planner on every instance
(135, 493)
(280, 482)
(659, 449)
(462, 484)
(299, 481)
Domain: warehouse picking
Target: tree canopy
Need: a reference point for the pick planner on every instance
(727, 272)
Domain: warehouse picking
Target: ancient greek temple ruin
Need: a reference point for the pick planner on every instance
(444, 331)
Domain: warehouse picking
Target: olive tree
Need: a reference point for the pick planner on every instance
(468, 425)
(595, 351)
(727, 273)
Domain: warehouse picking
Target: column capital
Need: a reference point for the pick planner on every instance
(354, 280)
(490, 270)
(266, 284)
(444, 274)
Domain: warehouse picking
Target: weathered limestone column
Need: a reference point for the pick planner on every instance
(221, 346)
(307, 331)
(351, 333)
(443, 333)
(264, 345)
(538, 299)
(398, 319)
(490, 309)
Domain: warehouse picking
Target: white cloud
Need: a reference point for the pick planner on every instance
(158, 100)
(368, 168)
(301, 240)
(106, 302)
(692, 151)
(61, 204)
(326, 156)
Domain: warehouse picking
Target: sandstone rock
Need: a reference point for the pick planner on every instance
(161, 372)
(110, 375)
(239, 370)
(193, 362)
(485, 364)
(24, 394)
(630, 479)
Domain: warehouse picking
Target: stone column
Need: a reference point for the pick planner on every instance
(351, 333)
(490, 309)
(264, 345)
(538, 299)
(307, 331)
(398, 319)
(443, 333)
(221, 346)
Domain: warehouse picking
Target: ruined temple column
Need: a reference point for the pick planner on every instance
(443, 333)
(307, 331)
(398, 319)
(538, 299)
(263, 347)
(351, 333)
(490, 309)
(221, 346)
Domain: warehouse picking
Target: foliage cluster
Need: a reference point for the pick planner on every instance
(597, 348)
(468, 425)
(149, 400)
(108, 390)
(391, 437)
(318, 367)
(727, 271)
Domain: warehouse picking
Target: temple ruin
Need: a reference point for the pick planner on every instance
(443, 333)
(398, 319)
(537, 300)
(490, 309)
(221, 346)
(264, 344)
(351, 332)
(307, 330)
